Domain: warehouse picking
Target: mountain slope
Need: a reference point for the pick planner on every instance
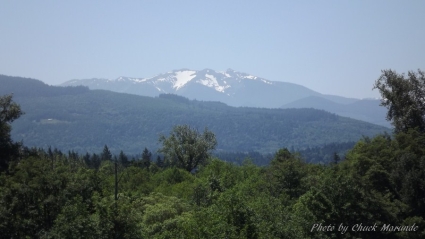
(85, 120)
(231, 87)
(238, 89)
(365, 110)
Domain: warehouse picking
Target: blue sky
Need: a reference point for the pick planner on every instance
(333, 47)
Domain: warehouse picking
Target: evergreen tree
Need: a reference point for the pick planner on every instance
(159, 162)
(95, 161)
(86, 159)
(50, 152)
(73, 155)
(106, 154)
(146, 158)
(123, 159)
(336, 158)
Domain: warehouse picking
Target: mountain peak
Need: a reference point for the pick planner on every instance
(230, 86)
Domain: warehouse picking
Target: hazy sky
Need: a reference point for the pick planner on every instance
(333, 47)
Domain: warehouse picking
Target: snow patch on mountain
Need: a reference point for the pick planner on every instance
(171, 82)
(250, 77)
(267, 82)
(224, 73)
(120, 79)
(183, 77)
(211, 81)
(139, 80)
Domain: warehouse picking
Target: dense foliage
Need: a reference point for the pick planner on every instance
(55, 195)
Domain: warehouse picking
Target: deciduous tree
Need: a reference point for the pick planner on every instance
(404, 97)
(9, 111)
(187, 146)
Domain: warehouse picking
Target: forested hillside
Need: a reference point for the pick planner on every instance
(85, 120)
(366, 109)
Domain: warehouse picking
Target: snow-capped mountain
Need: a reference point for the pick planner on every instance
(231, 87)
(239, 89)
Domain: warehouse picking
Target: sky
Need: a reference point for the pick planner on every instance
(333, 47)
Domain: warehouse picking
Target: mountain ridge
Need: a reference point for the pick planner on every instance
(238, 89)
(83, 120)
(230, 87)
(368, 110)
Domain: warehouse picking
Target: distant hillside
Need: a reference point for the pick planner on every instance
(26, 87)
(365, 110)
(85, 120)
(319, 155)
